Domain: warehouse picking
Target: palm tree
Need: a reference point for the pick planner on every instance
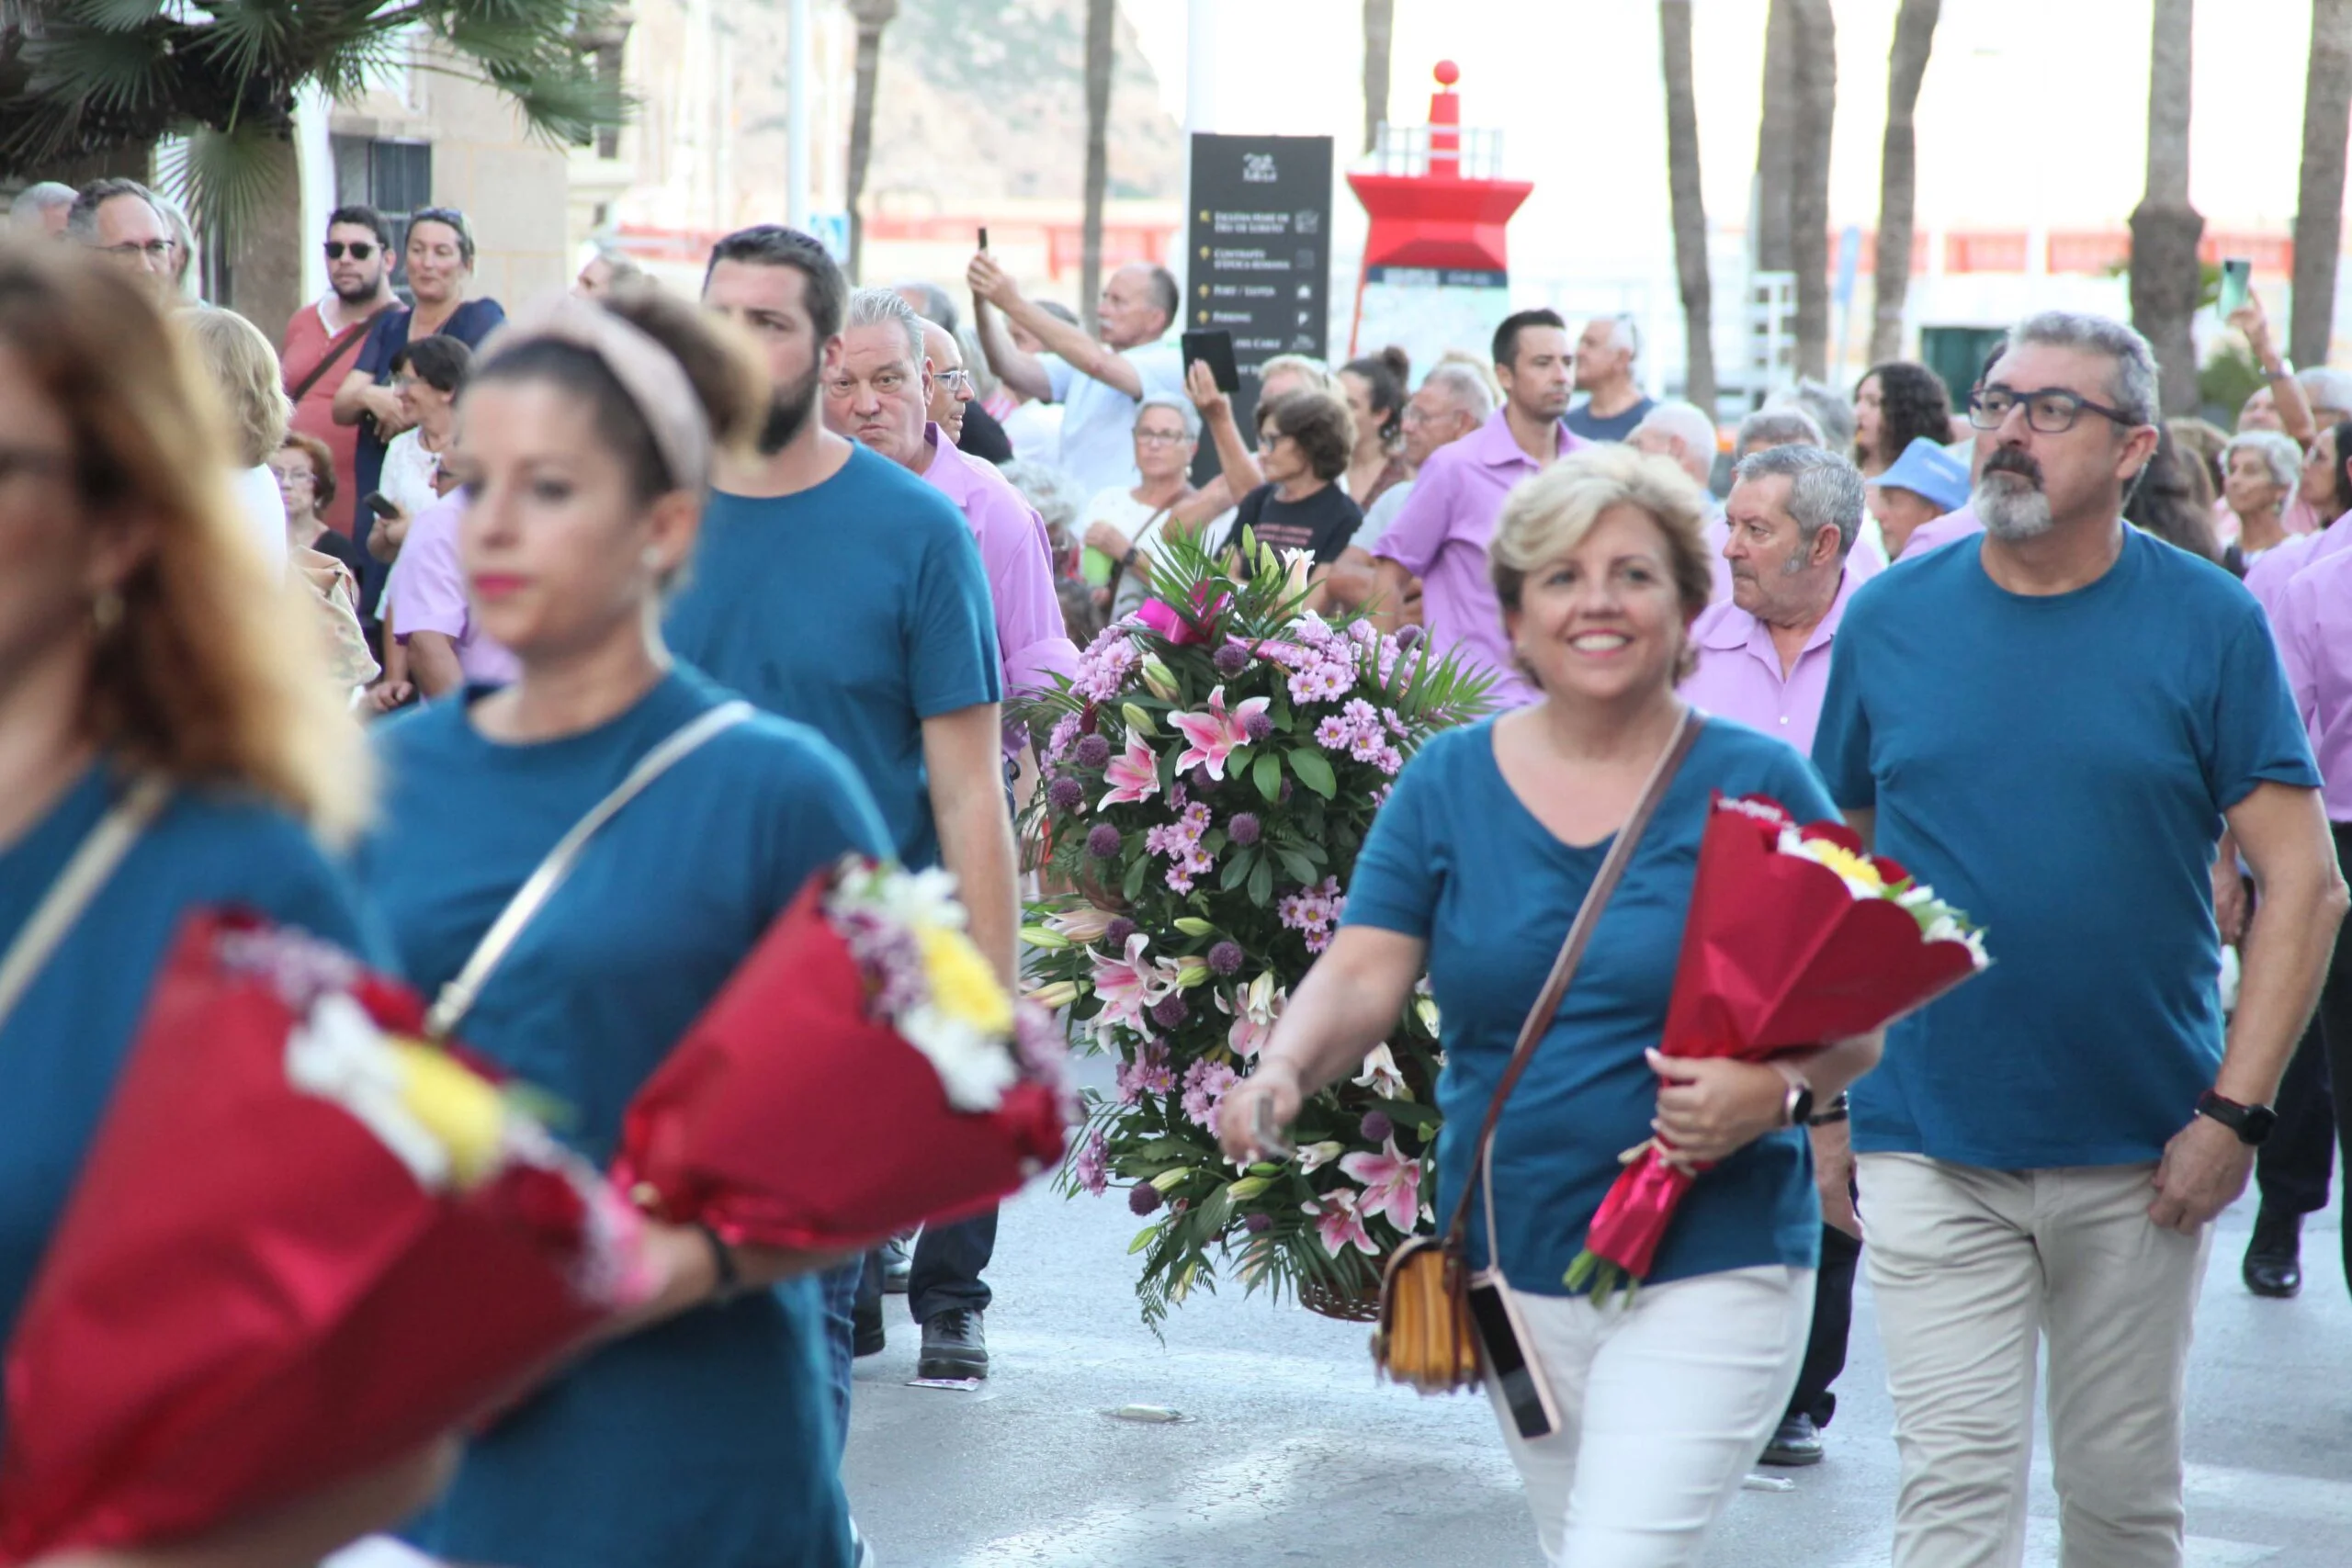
(1102, 16)
(2164, 228)
(1898, 174)
(870, 16)
(1379, 30)
(86, 80)
(2319, 198)
(1776, 136)
(1817, 102)
(1689, 206)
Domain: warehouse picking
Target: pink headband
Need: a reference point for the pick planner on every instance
(649, 374)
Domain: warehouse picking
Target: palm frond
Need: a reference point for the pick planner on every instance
(231, 176)
(103, 69)
(111, 15)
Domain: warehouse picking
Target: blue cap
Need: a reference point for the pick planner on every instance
(1926, 468)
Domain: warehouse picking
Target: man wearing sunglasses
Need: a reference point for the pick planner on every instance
(324, 336)
(2050, 724)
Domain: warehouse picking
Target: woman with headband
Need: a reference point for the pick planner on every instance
(702, 1431)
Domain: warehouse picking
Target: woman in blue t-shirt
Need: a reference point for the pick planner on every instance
(150, 679)
(1475, 870)
(701, 1434)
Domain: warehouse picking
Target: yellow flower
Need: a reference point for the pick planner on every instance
(1857, 871)
(463, 1111)
(963, 987)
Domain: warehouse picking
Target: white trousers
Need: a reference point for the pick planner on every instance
(1973, 1270)
(1663, 1406)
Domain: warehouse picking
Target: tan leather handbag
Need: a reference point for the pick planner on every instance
(1426, 1338)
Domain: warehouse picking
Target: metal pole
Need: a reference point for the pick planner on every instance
(796, 90)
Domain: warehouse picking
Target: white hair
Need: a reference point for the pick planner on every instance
(2326, 388)
(2286, 458)
(35, 201)
(1775, 425)
(1824, 490)
(1686, 423)
(1623, 333)
(1317, 373)
(1467, 388)
(1182, 406)
(879, 307)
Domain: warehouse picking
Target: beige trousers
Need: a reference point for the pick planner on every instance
(1973, 1271)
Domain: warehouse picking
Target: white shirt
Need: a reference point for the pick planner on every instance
(1098, 420)
(263, 511)
(406, 478)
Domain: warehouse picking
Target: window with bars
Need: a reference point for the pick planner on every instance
(393, 177)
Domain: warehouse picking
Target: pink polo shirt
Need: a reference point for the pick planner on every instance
(2273, 570)
(1441, 537)
(427, 593)
(1941, 531)
(1739, 673)
(2313, 622)
(1031, 641)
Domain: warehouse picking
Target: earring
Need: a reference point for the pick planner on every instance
(106, 610)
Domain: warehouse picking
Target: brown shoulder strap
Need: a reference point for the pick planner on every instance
(1564, 968)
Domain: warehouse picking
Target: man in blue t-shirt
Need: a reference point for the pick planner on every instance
(2050, 725)
(835, 588)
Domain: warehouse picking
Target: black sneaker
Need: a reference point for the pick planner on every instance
(2273, 1264)
(952, 1346)
(866, 1336)
(1796, 1444)
(898, 1267)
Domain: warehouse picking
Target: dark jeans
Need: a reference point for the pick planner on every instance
(1833, 1320)
(948, 1261)
(839, 1289)
(2335, 1025)
(2291, 1170)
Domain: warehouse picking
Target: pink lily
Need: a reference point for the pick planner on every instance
(1254, 1010)
(1392, 1185)
(1128, 985)
(1339, 1223)
(1214, 734)
(1134, 773)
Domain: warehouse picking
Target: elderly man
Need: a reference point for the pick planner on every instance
(975, 432)
(322, 337)
(122, 221)
(1772, 427)
(41, 210)
(1453, 401)
(1764, 661)
(1100, 384)
(1924, 483)
(2044, 1151)
(1442, 534)
(1614, 404)
(1683, 434)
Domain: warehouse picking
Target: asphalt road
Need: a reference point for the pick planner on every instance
(1285, 1450)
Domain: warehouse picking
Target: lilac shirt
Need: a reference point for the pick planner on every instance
(2273, 570)
(1031, 639)
(2313, 622)
(428, 593)
(1740, 669)
(1442, 538)
(1940, 531)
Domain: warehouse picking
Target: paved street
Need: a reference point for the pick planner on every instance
(1288, 1452)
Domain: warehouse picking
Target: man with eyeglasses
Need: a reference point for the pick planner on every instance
(2050, 725)
(324, 336)
(122, 221)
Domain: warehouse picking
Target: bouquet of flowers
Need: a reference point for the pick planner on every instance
(863, 1071)
(1209, 778)
(303, 1245)
(1795, 937)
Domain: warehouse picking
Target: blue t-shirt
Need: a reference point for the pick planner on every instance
(62, 1048)
(707, 1440)
(1457, 860)
(469, 325)
(858, 607)
(2057, 767)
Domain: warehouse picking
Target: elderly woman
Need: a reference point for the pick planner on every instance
(1474, 872)
(2259, 476)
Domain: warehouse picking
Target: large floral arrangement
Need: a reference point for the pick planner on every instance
(1209, 777)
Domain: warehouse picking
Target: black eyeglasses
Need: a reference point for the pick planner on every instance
(2051, 410)
(360, 250)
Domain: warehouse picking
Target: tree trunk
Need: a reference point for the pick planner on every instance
(1776, 136)
(1816, 100)
(1898, 174)
(1102, 16)
(2319, 194)
(1379, 29)
(2164, 228)
(1689, 207)
(265, 252)
(871, 16)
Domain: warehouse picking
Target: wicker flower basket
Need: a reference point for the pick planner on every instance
(1347, 1306)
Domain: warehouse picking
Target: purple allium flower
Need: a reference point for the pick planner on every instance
(1376, 1128)
(1066, 795)
(1407, 639)
(1143, 1198)
(1117, 931)
(1243, 830)
(1231, 659)
(1199, 782)
(1102, 844)
(1226, 957)
(1170, 1011)
(1093, 751)
(1256, 727)
(1258, 1224)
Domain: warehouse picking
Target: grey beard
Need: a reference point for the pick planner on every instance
(2011, 512)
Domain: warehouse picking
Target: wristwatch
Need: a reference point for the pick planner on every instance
(1797, 1111)
(1830, 1114)
(2252, 1124)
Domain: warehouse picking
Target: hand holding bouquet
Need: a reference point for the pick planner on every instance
(1794, 937)
(304, 1244)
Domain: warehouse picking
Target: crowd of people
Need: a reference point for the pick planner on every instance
(2006, 642)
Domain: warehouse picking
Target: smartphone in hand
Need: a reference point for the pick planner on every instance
(382, 505)
(2237, 277)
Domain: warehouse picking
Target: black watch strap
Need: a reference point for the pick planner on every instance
(2252, 1124)
(729, 1283)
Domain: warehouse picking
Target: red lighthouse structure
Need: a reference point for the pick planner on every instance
(1436, 264)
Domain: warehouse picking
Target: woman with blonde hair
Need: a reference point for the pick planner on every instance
(244, 369)
(165, 744)
(1474, 871)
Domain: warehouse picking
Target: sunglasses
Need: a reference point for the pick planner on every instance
(360, 250)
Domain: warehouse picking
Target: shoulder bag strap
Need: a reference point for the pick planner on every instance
(1564, 968)
(457, 998)
(1151, 527)
(334, 355)
(76, 884)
